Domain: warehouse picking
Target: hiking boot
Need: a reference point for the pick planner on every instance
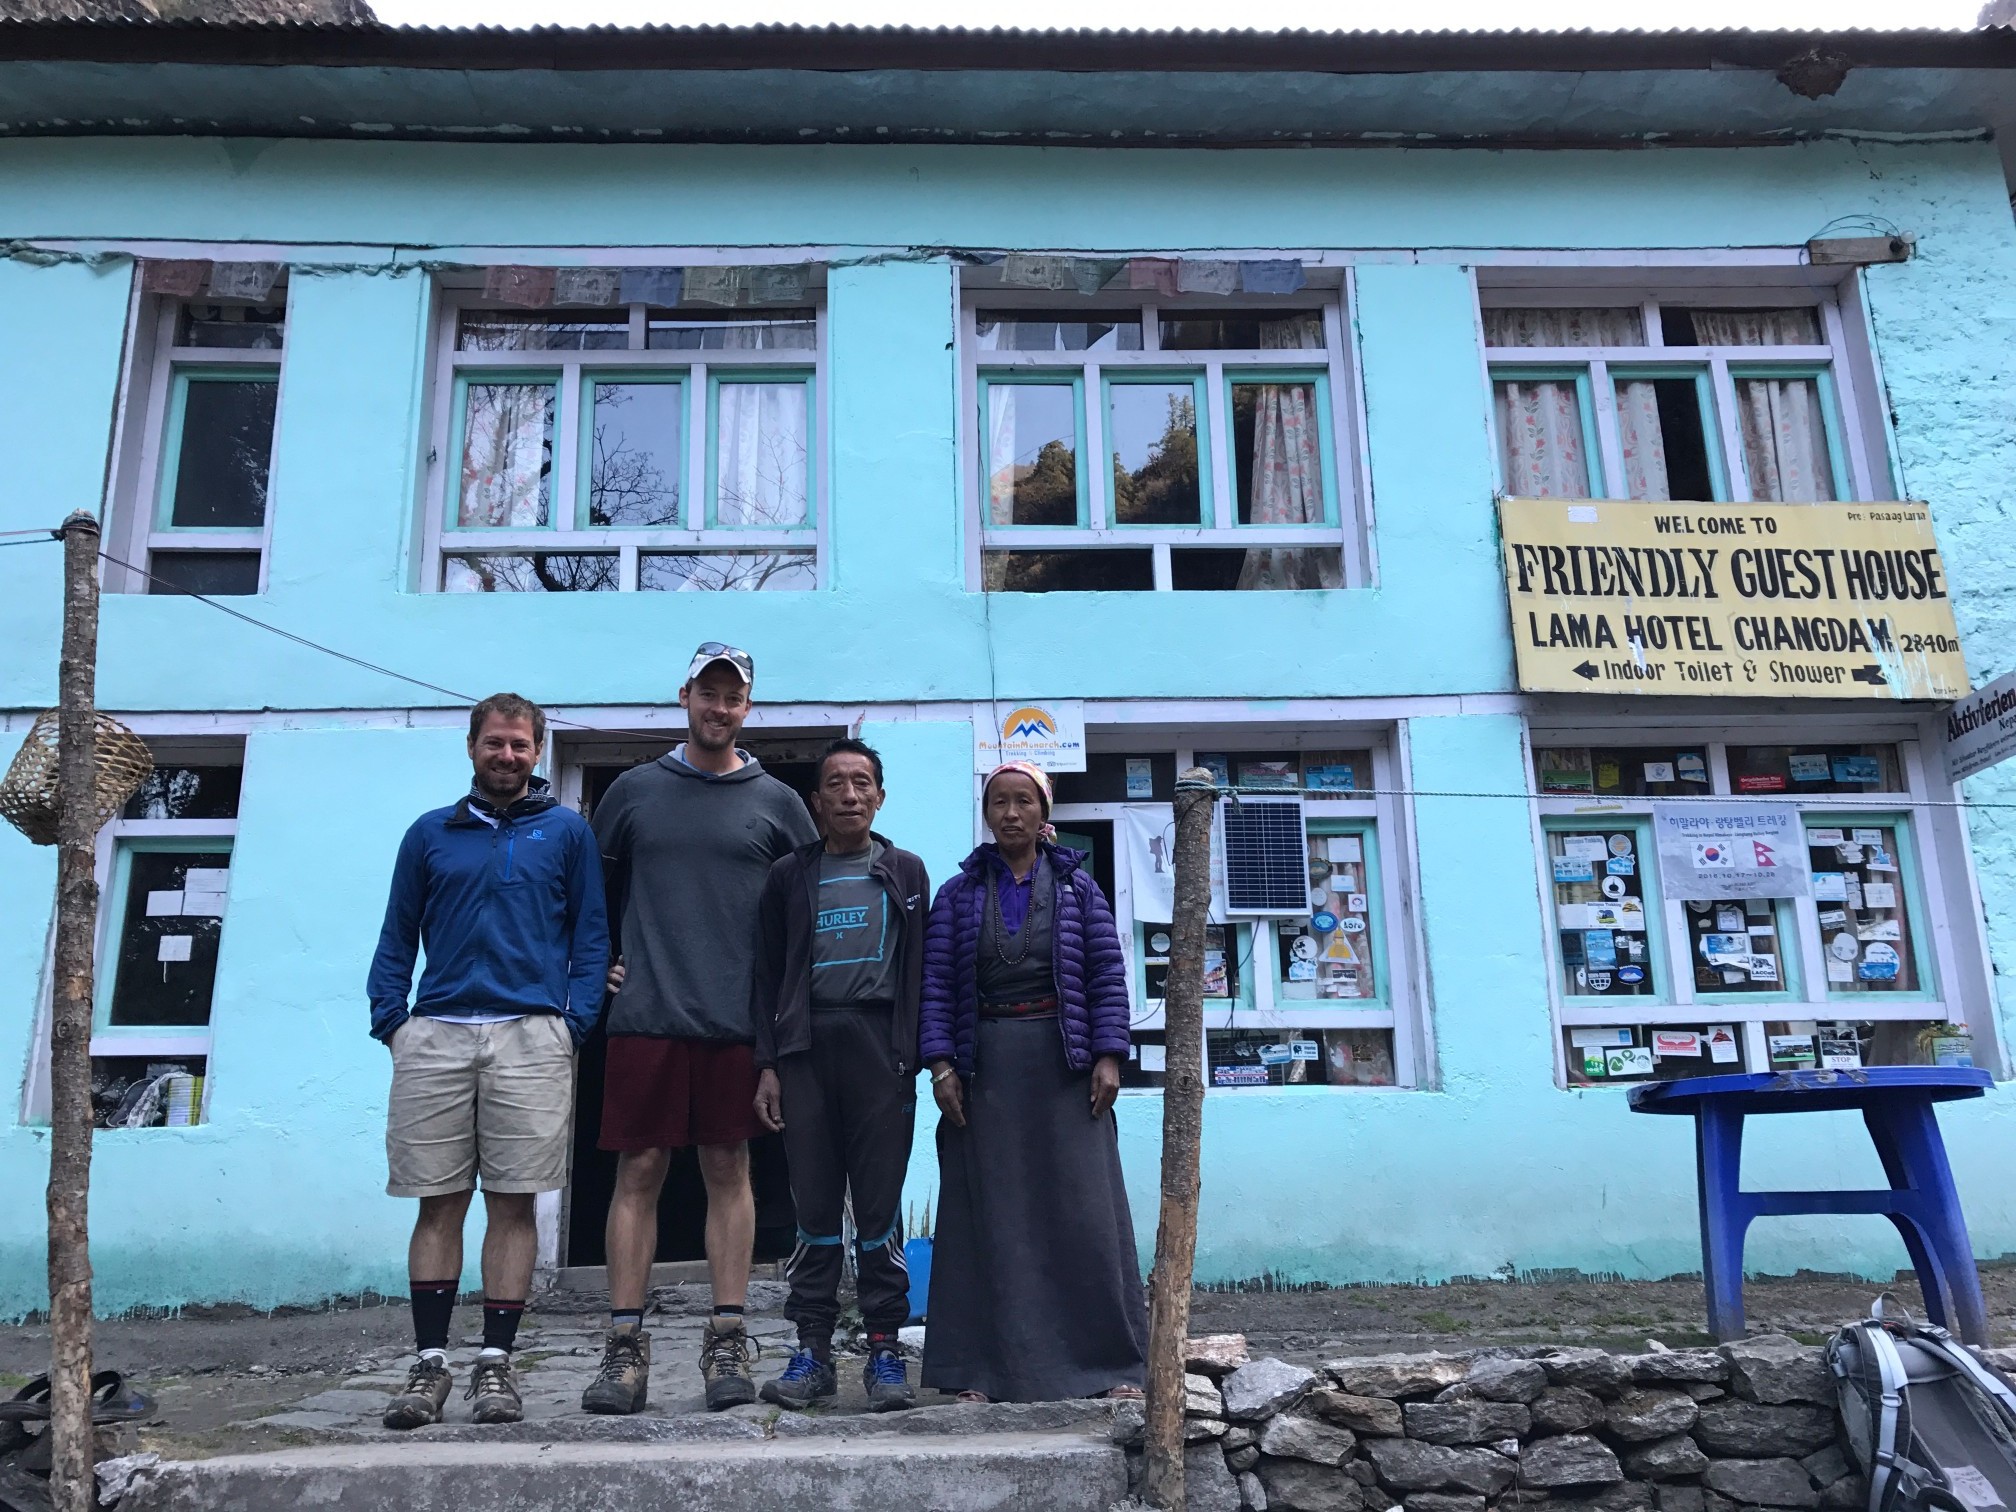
(427, 1386)
(807, 1379)
(623, 1384)
(493, 1391)
(725, 1355)
(887, 1381)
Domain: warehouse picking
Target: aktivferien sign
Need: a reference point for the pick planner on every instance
(1766, 600)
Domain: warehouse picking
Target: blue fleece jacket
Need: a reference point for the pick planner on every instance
(509, 908)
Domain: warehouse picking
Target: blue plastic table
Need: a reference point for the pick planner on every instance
(1896, 1104)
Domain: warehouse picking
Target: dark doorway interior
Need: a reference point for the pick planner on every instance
(682, 1208)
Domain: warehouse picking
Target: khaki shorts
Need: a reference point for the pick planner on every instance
(495, 1098)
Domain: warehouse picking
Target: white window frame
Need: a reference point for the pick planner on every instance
(1951, 956)
(1844, 356)
(141, 443)
(1349, 479)
(440, 540)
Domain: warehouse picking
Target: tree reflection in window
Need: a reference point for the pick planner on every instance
(537, 572)
(1155, 481)
(634, 461)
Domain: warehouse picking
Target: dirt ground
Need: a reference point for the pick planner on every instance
(218, 1374)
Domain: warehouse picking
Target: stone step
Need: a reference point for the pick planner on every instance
(999, 1472)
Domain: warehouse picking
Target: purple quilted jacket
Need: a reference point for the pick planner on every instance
(1093, 1010)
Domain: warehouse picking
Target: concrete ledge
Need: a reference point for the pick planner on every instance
(1025, 1472)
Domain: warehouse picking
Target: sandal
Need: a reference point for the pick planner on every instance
(973, 1396)
(28, 1405)
(1125, 1394)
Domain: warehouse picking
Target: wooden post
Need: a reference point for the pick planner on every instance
(1182, 1135)
(72, 1483)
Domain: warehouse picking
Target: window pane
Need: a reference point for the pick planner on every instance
(760, 473)
(1736, 946)
(784, 331)
(1244, 331)
(537, 572)
(1032, 454)
(1838, 1045)
(187, 792)
(1542, 450)
(1068, 571)
(1058, 330)
(1113, 778)
(1859, 892)
(256, 328)
(1221, 961)
(1300, 1057)
(1785, 440)
(226, 447)
(1214, 569)
(633, 462)
(1147, 1059)
(1628, 771)
(722, 571)
(537, 331)
(1799, 326)
(120, 1090)
(1151, 430)
(1277, 454)
(159, 979)
(221, 574)
(1616, 326)
(1645, 1052)
(507, 455)
(1330, 953)
(1816, 769)
(1599, 912)
(1661, 428)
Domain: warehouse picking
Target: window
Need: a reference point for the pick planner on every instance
(202, 399)
(1621, 398)
(1216, 424)
(626, 449)
(1651, 986)
(1317, 999)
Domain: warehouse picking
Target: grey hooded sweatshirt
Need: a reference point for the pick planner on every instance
(684, 855)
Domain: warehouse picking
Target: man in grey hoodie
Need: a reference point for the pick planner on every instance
(687, 842)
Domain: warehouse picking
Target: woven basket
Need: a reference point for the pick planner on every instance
(29, 796)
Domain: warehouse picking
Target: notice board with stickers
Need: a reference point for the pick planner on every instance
(1761, 600)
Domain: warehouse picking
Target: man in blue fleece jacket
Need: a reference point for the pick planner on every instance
(504, 890)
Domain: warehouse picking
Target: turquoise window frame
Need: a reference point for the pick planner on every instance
(1830, 413)
(1592, 448)
(1711, 419)
(585, 442)
(1791, 965)
(171, 442)
(1639, 827)
(1241, 377)
(1913, 893)
(1381, 1001)
(107, 974)
(1242, 952)
(1056, 379)
(781, 377)
(490, 377)
(1201, 417)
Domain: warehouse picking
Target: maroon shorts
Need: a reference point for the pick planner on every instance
(665, 1094)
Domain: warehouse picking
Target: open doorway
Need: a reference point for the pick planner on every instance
(589, 768)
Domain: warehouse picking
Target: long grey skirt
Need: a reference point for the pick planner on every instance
(1035, 1289)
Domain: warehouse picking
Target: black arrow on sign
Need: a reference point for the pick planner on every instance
(1869, 674)
(1588, 670)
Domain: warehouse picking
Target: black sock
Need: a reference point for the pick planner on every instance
(433, 1309)
(621, 1318)
(884, 1341)
(500, 1323)
(821, 1349)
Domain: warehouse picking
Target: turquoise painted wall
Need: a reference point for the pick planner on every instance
(279, 1198)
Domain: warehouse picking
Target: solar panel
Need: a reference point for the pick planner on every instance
(1266, 856)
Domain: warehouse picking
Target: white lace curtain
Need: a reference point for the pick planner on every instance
(1784, 429)
(760, 466)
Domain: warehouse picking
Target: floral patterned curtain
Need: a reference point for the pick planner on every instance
(1784, 429)
(1287, 479)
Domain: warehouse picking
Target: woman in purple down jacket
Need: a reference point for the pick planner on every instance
(1035, 1287)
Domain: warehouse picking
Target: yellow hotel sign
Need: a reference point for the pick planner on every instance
(1757, 600)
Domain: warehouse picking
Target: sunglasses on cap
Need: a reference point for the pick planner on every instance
(710, 652)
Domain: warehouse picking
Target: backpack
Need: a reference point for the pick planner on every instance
(1929, 1425)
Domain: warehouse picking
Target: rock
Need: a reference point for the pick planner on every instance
(1502, 1380)
(1679, 1498)
(1565, 1409)
(1252, 1494)
(1826, 1466)
(1639, 1416)
(1675, 1367)
(1443, 1501)
(1294, 1485)
(1746, 1430)
(1201, 1397)
(1215, 1355)
(1628, 1496)
(1130, 1424)
(1243, 1459)
(1462, 1391)
(1397, 1375)
(1293, 1436)
(1594, 1370)
(1762, 1482)
(1848, 1492)
(1672, 1458)
(1405, 1465)
(1477, 1422)
(1574, 1459)
(1208, 1485)
(1377, 1500)
(1196, 1430)
(1239, 1435)
(117, 1476)
(1774, 1370)
(1263, 1388)
(1701, 1391)
(1362, 1472)
(1361, 1414)
(1710, 1502)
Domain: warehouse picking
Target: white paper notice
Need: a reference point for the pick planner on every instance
(1879, 895)
(1659, 771)
(207, 879)
(1722, 1043)
(1585, 848)
(174, 947)
(203, 905)
(1840, 971)
(1154, 1057)
(1345, 850)
(163, 905)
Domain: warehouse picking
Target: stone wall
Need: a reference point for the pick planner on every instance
(1746, 1426)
